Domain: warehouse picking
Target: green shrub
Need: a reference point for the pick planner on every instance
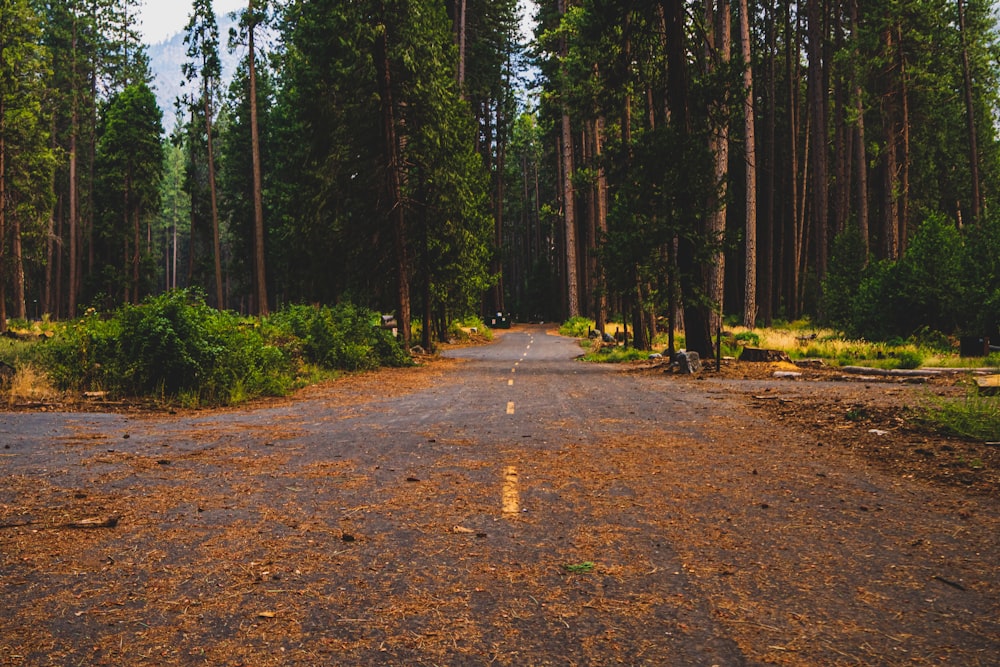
(576, 327)
(344, 337)
(907, 358)
(170, 345)
(751, 338)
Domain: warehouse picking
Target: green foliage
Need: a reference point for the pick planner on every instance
(924, 289)
(616, 355)
(174, 346)
(751, 338)
(576, 327)
(342, 337)
(169, 346)
(973, 416)
(843, 279)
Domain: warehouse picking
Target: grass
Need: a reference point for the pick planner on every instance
(973, 416)
(30, 384)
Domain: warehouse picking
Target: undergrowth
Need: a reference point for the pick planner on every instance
(175, 348)
(972, 416)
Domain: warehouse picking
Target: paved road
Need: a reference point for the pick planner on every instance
(522, 508)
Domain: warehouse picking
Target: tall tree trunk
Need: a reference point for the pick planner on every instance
(498, 212)
(818, 119)
(970, 118)
(750, 152)
(394, 183)
(569, 204)
(136, 252)
(890, 165)
(718, 48)
(601, 313)
(3, 216)
(696, 315)
(17, 255)
(260, 278)
(770, 191)
(904, 145)
(461, 20)
(213, 195)
(861, 152)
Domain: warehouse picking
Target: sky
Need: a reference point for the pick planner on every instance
(163, 18)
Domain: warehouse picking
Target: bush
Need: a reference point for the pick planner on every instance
(170, 345)
(344, 337)
(576, 327)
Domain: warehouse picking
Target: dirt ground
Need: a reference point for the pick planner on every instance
(248, 551)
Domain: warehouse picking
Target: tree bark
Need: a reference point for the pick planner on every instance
(393, 183)
(861, 156)
(696, 316)
(3, 215)
(260, 281)
(461, 19)
(569, 204)
(750, 153)
(818, 119)
(213, 195)
(970, 119)
(718, 49)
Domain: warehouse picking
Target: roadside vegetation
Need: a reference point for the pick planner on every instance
(972, 416)
(176, 349)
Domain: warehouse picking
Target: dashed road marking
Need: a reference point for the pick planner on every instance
(510, 383)
(510, 407)
(510, 497)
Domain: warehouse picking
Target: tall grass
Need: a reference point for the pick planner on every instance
(973, 416)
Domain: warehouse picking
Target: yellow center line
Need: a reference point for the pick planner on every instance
(510, 383)
(510, 407)
(510, 498)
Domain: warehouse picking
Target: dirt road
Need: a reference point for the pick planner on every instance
(507, 505)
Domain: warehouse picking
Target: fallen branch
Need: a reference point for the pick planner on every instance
(892, 372)
(109, 522)
(953, 584)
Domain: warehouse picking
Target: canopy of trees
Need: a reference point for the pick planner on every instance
(669, 162)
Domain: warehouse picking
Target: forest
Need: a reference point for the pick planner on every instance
(669, 164)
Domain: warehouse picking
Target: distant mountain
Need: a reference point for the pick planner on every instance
(168, 57)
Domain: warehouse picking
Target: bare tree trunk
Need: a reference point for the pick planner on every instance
(601, 314)
(861, 157)
(750, 151)
(136, 252)
(3, 216)
(20, 303)
(213, 194)
(718, 49)
(498, 222)
(970, 118)
(770, 191)
(696, 315)
(569, 205)
(393, 177)
(904, 157)
(260, 278)
(890, 174)
(818, 119)
(73, 217)
(461, 44)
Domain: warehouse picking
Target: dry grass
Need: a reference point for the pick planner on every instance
(30, 385)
